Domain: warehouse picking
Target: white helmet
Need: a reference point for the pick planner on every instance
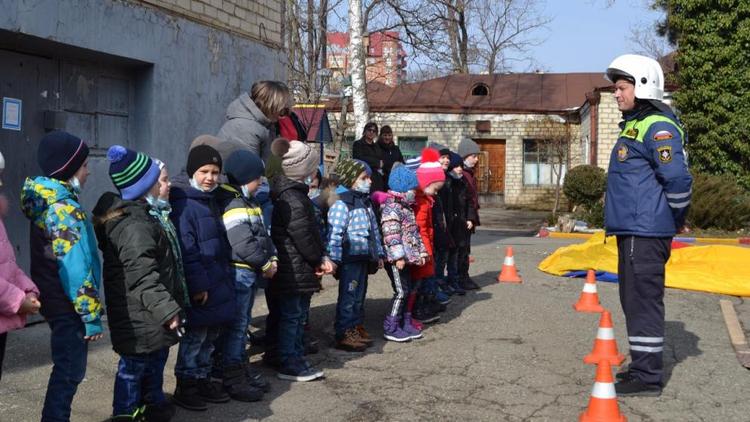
(643, 71)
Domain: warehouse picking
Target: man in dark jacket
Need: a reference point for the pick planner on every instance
(143, 293)
(367, 150)
(648, 195)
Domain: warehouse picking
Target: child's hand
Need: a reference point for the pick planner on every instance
(269, 273)
(422, 261)
(95, 337)
(469, 225)
(200, 298)
(30, 305)
(173, 323)
(400, 264)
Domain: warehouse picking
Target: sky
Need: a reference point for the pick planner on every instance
(585, 35)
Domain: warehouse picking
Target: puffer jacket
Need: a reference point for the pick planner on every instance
(205, 255)
(423, 213)
(400, 232)
(248, 237)
(142, 290)
(297, 239)
(14, 285)
(247, 126)
(353, 233)
(460, 210)
(64, 258)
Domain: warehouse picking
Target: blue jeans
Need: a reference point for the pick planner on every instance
(139, 381)
(234, 338)
(352, 290)
(194, 354)
(69, 355)
(292, 310)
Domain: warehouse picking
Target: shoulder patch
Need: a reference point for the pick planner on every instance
(663, 135)
(622, 153)
(665, 154)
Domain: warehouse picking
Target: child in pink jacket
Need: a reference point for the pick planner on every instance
(18, 294)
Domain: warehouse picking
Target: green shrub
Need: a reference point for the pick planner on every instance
(718, 203)
(585, 185)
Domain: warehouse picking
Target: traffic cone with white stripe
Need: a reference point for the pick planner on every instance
(603, 402)
(605, 345)
(589, 299)
(508, 273)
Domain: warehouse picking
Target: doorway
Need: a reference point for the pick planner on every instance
(491, 166)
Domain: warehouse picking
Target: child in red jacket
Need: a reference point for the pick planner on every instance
(431, 177)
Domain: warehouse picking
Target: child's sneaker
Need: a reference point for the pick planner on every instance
(159, 412)
(424, 315)
(457, 289)
(256, 379)
(442, 297)
(351, 342)
(186, 395)
(364, 336)
(300, 371)
(392, 331)
(136, 416)
(410, 327)
(212, 392)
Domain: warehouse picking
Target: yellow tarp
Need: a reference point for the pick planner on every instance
(715, 268)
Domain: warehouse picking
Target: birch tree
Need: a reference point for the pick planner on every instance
(358, 66)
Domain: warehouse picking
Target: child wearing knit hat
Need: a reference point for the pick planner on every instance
(144, 294)
(353, 244)
(64, 263)
(253, 257)
(469, 152)
(205, 255)
(404, 248)
(302, 261)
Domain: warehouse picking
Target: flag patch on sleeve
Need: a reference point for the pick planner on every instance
(663, 135)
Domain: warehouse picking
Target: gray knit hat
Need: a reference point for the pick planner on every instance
(298, 160)
(467, 147)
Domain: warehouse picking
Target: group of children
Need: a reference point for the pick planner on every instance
(182, 261)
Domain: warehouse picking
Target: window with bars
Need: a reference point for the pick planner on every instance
(411, 146)
(542, 161)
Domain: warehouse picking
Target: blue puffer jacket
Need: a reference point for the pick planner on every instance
(205, 255)
(648, 185)
(353, 232)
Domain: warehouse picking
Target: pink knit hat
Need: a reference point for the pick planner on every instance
(430, 170)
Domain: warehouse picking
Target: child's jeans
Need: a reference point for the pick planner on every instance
(291, 313)
(69, 354)
(231, 344)
(352, 285)
(401, 289)
(139, 381)
(194, 354)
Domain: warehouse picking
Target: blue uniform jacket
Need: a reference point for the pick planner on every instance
(648, 185)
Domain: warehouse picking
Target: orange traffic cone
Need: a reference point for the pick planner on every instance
(589, 299)
(603, 402)
(508, 273)
(605, 346)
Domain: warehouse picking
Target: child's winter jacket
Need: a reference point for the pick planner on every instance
(14, 285)
(64, 258)
(400, 232)
(353, 233)
(423, 213)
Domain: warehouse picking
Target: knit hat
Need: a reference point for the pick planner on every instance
(467, 147)
(442, 149)
(402, 179)
(298, 160)
(201, 156)
(133, 173)
(349, 170)
(430, 171)
(456, 161)
(413, 163)
(243, 166)
(61, 154)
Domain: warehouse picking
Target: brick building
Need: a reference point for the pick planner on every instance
(148, 74)
(515, 118)
(385, 58)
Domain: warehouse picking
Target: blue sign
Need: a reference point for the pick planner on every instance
(12, 108)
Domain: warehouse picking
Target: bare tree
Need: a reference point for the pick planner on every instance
(358, 66)
(647, 41)
(558, 145)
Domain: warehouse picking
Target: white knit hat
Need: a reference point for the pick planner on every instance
(298, 160)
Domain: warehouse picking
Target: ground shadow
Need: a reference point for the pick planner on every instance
(485, 237)
(679, 344)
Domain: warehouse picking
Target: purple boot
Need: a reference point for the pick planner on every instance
(411, 330)
(392, 332)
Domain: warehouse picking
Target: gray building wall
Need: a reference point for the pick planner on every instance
(116, 72)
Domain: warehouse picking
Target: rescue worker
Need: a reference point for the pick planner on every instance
(648, 195)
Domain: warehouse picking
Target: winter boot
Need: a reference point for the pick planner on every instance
(237, 386)
(424, 312)
(256, 379)
(212, 392)
(351, 342)
(467, 283)
(136, 416)
(159, 412)
(364, 336)
(410, 328)
(392, 332)
(186, 395)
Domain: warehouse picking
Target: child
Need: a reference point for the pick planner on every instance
(457, 224)
(301, 261)
(404, 248)
(205, 254)
(431, 177)
(143, 293)
(253, 256)
(64, 264)
(18, 294)
(353, 243)
(469, 152)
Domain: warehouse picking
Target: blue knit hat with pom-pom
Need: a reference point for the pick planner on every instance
(133, 173)
(402, 179)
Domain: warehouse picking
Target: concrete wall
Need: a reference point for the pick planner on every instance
(186, 73)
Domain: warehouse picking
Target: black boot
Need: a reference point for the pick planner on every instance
(256, 379)
(237, 386)
(634, 387)
(212, 392)
(160, 412)
(186, 395)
